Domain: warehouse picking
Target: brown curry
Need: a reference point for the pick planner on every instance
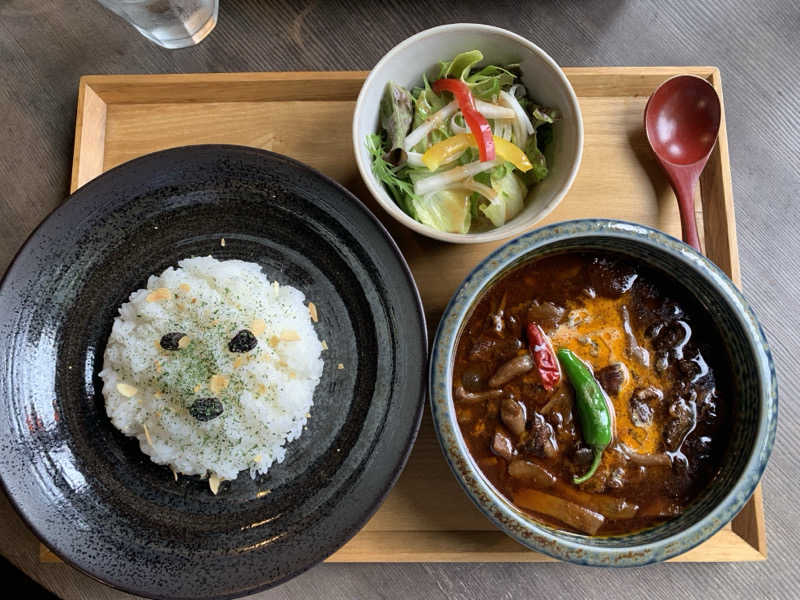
(662, 371)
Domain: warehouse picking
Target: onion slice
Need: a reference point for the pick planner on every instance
(473, 186)
(439, 181)
(502, 129)
(431, 123)
(494, 111)
(455, 126)
(524, 127)
(414, 159)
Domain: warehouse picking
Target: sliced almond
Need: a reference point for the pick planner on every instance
(258, 326)
(158, 294)
(184, 341)
(261, 389)
(158, 394)
(257, 458)
(221, 243)
(340, 366)
(147, 434)
(312, 310)
(213, 483)
(158, 367)
(274, 341)
(217, 383)
(174, 472)
(324, 345)
(126, 390)
(289, 335)
(184, 287)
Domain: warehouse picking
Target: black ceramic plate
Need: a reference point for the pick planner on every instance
(87, 490)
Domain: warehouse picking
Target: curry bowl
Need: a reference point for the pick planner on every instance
(744, 388)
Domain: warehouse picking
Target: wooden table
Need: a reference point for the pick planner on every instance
(46, 46)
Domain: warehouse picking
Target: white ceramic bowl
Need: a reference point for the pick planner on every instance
(405, 63)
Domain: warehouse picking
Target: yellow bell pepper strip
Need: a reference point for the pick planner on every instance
(444, 151)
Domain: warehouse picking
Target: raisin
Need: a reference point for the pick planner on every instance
(205, 409)
(170, 341)
(244, 341)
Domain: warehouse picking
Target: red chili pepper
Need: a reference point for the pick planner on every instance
(543, 355)
(476, 122)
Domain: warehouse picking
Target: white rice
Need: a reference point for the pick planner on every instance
(270, 390)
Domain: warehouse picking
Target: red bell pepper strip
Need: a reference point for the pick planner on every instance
(476, 122)
(543, 355)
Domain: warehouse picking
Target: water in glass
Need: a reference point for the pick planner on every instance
(168, 23)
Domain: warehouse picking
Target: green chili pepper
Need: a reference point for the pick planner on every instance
(592, 405)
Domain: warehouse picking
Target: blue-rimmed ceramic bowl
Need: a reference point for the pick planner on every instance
(755, 413)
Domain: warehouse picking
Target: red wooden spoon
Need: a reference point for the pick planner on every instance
(682, 121)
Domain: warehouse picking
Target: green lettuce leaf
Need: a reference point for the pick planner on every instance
(511, 194)
(460, 66)
(484, 84)
(537, 158)
(426, 103)
(448, 210)
(487, 83)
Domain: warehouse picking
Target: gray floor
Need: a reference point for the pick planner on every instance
(46, 45)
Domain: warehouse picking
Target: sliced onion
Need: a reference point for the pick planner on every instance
(473, 186)
(494, 111)
(414, 159)
(520, 136)
(502, 129)
(525, 127)
(439, 181)
(453, 158)
(455, 126)
(431, 123)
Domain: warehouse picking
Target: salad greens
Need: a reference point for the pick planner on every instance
(401, 189)
(428, 157)
(396, 114)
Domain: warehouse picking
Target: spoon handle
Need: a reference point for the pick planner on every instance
(684, 193)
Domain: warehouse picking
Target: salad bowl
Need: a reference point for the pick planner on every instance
(421, 56)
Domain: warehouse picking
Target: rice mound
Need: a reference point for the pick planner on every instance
(266, 393)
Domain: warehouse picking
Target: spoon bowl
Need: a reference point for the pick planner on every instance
(682, 120)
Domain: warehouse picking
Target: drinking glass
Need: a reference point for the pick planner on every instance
(168, 23)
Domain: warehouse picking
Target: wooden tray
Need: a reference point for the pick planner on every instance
(426, 517)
